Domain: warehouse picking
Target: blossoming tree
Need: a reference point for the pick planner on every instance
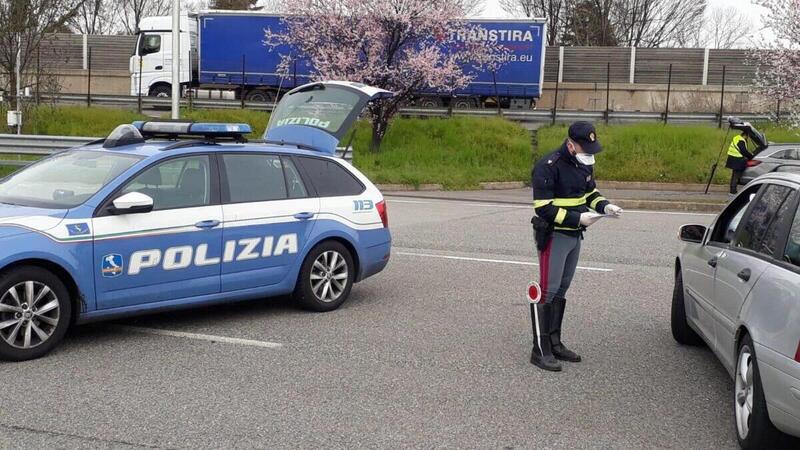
(402, 46)
(779, 74)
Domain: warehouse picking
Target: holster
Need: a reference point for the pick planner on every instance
(542, 232)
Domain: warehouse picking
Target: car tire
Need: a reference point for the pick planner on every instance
(35, 313)
(681, 331)
(326, 277)
(759, 432)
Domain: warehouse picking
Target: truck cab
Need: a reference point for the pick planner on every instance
(151, 61)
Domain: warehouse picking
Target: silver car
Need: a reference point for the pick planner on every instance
(737, 288)
(775, 158)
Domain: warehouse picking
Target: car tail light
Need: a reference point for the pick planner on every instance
(753, 162)
(797, 353)
(381, 206)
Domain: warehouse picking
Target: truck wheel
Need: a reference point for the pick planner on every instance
(681, 331)
(463, 103)
(430, 102)
(35, 312)
(161, 91)
(326, 277)
(753, 427)
(259, 96)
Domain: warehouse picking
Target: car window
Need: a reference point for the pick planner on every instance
(330, 179)
(760, 228)
(729, 219)
(294, 183)
(780, 154)
(177, 183)
(791, 253)
(793, 154)
(254, 177)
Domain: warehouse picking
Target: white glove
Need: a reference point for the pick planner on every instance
(613, 210)
(589, 218)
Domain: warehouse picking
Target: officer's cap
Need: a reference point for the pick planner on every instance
(584, 134)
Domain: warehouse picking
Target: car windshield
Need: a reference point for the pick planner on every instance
(64, 180)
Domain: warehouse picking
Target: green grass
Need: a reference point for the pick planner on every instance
(658, 153)
(461, 152)
(458, 153)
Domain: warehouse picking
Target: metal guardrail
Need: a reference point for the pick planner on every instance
(35, 145)
(517, 115)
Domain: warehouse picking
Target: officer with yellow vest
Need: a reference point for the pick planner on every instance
(566, 202)
(738, 155)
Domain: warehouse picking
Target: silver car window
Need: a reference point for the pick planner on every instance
(725, 229)
(759, 231)
(791, 253)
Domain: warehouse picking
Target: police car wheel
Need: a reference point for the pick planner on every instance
(326, 277)
(35, 312)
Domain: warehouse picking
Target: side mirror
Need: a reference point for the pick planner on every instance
(131, 203)
(692, 233)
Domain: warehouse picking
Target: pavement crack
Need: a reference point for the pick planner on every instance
(78, 436)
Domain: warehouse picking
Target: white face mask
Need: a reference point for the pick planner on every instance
(585, 159)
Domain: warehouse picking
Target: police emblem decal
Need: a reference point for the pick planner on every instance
(111, 265)
(592, 137)
(78, 229)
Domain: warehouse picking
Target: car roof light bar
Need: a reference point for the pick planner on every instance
(171, 129)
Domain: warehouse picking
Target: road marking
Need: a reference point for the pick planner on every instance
(487, 260)
(513, 206)
(200, 337)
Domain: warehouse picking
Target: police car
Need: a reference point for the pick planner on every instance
(148, 220)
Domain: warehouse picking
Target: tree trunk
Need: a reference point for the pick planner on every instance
(378, 132)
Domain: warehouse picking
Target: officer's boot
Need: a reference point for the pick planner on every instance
(560, 351)
(542, 354)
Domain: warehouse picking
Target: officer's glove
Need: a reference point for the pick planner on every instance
(613, 210)
(589, 218)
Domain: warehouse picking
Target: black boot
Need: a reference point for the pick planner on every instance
(560, 351)
(542, 354)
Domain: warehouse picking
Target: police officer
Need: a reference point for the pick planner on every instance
(738, 155)
(564, 193)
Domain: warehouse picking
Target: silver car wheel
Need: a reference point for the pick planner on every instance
(29, 313)
(329, 276)
(744, 392)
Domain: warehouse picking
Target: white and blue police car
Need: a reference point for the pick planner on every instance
(164, 215)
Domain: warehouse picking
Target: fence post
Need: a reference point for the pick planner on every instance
(705, 67)
(669, 90)
(496, 93)
(561, 63)
(722, 98)
(89, 81)
(555, 104)
(139, 100)
(243, 75)
(38, 72)
(608, 91)
(632, 75)
(85, 51)
(778, 112)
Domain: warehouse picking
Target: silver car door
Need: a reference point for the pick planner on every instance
(745, 261)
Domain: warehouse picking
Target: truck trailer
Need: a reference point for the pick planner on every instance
(225, 51)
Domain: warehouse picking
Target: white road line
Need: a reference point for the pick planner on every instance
(513, 206)
(496, 261)
(200, 337)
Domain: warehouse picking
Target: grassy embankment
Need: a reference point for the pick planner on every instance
(464, 151)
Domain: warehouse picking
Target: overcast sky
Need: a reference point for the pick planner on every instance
(492, 9)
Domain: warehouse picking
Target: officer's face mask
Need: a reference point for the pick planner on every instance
(585, 159)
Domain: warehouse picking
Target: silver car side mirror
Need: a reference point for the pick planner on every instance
(692, 233)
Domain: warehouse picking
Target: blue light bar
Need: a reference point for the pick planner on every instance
(179, 128)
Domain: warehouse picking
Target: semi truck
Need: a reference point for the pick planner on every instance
(224, 51)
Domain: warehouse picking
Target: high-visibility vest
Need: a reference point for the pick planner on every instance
(733, 150)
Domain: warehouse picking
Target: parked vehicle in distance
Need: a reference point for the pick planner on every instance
(225, 50)
(775, 158)
(737, 288)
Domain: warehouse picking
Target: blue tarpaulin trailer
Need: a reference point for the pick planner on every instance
(231, 54)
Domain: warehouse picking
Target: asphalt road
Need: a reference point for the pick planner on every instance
(433, 352)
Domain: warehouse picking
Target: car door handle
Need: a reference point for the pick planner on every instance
(207, 224)
(304, 215)
(159, 67)
(713, 261)
(744, 275)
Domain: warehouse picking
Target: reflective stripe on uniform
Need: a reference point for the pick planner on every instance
(561, 215)
(570, 201)
(566, 228)
(733, 150)
(594, 202)
(540, 203)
